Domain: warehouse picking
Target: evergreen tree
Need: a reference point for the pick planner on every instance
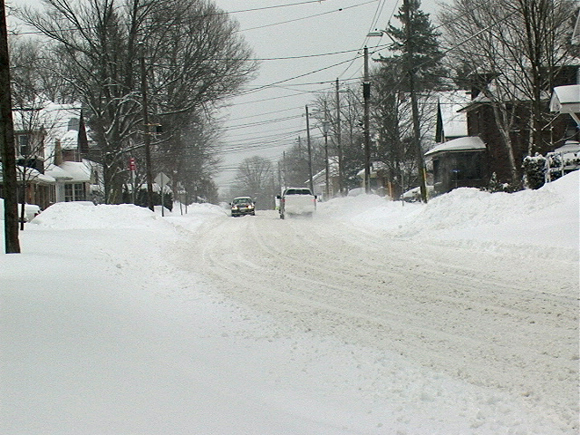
(417, 45)
(417, 49)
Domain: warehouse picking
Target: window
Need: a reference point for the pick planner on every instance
(298, 192)
(467, 166)
(74, 192)
(436, 171)
(23, 144)
(79, 189)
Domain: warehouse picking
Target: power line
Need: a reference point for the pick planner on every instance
(265, 113)
(303, 75)
(253, 137)
(308, 17)
(259, 123)
(305, 56)
(274, 7)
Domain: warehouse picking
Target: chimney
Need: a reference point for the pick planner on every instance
(57, 153)
(83, 143)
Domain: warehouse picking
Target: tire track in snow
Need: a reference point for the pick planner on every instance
(488, 318)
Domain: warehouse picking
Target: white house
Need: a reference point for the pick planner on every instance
(566, 99)
(51, 141)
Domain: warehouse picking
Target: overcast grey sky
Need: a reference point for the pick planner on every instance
(295, 38)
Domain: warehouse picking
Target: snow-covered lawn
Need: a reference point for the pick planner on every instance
(455, 317)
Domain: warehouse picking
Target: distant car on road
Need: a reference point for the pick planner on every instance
(243, 205)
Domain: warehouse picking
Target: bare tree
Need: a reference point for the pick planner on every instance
(191, 156)
(255, 177)
(352, 136)
(392, 116)
(193, 55)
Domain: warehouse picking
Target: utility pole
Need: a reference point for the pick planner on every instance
(367, 136)
(338, 140)
(9, 178)
(326, 162)
(311, 183)
(146, 134)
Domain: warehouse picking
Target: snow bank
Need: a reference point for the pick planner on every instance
(86, 215)
(547, 217)
(30, 210)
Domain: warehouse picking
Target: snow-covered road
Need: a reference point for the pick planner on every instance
(458, 317)
(493, 319)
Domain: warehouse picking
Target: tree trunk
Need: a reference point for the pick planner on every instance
(11, 242)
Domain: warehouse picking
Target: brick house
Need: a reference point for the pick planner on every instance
(481, 123)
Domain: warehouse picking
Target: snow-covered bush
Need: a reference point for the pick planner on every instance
(496, 186)
(534, 171)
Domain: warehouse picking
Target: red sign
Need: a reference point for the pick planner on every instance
(132, 165)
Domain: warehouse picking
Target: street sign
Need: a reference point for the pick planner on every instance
(162, 179)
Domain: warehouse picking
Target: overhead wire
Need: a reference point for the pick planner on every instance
(375, 19)
(264, 122)
(283, 5)
(264, 113)
(252, 136)
(309, 16)
(316, 71)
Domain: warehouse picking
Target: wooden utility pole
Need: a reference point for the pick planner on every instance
(326, 162)
(146, 133)
(9, 178)
(338, 140)
(310, 176)
(367, 133)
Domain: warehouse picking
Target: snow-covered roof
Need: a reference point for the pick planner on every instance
(570, 146)
(566, 99)
(58, 173)
(69, 141)
(33, 175)
(470, 143)
(453, 119)
(79, 172)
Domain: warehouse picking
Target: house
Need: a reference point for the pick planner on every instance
(460, 162)
(481, 123)
(73, 180)
(379, 179)
(319, 181)
(441, 121)
(51, 141)
(566, 99)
